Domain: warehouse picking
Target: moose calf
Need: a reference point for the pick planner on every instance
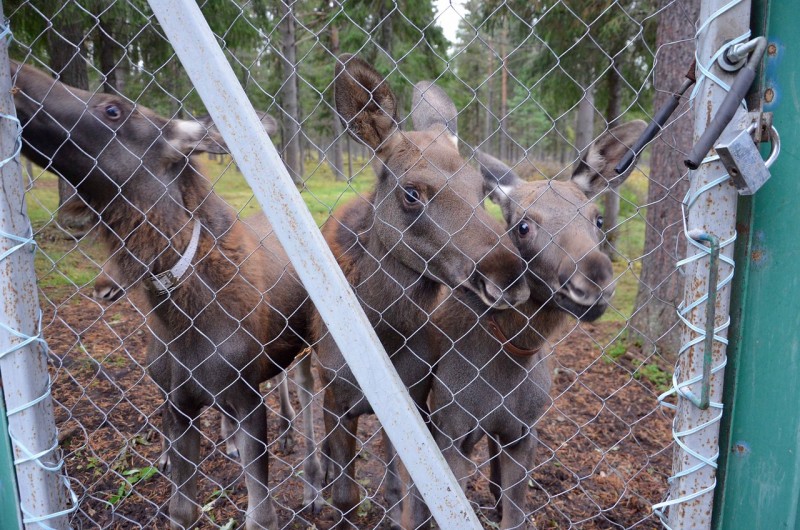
(493, 379)
(224, 310)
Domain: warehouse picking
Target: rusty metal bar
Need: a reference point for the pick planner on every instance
(23, 361)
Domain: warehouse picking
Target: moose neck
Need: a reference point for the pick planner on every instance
(527, 327)
(151, 236)
(391, 292)
(401, 295)
(530, 325)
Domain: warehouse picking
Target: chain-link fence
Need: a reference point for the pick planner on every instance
(475, 217)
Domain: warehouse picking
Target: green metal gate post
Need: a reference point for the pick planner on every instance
(760, 446)
(9, 497)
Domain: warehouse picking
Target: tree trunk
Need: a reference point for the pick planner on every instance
(174, 83)
(122, 72)
(67, 50)
(65, 43)
(504, 139)
(292, 156)
(381, 36)
(611, 198)
(661, 286)
(490, 118)
(614, 88)
(584, 123)
(107, 47)
(337, 161)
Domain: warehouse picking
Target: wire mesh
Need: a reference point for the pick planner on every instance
(550, 421)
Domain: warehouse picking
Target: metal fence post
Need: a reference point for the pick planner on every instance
(711, 204)
(225, 99)
(23, 361)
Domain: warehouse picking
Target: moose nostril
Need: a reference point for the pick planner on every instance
(479, 283)
(579, 293)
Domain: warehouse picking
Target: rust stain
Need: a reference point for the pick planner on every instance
(741, 449)
(757, 255)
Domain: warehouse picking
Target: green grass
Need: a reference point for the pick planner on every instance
(68, 263)
(616, 349)
(659, 378)
(60, 265)
(320, 191)
(630, 246)
(63, 262)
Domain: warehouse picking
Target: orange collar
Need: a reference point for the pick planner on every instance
(508, 347)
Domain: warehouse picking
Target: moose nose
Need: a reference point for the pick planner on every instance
(501, 282)
(586, 280)
(498, 297)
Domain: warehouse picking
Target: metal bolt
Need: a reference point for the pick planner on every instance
(769, 95)
(772, 49)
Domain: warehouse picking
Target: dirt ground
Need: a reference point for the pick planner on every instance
(604, 456)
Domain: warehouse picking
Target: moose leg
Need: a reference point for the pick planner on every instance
(457, 454)
(228, 432)
(251, 414)
(394, 490)
(287, 414)
(183, 440)
(495, 471)
(516, 462)
(312, 468)
(416, 371)
(341, 448)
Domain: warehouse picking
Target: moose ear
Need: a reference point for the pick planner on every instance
(269, 123)
(365, 103)
(189, 137)
(431, 107)
(595, 171)
(211, 140)
(499, 181)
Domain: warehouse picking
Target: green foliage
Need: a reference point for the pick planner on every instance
(655, 375)
(364, 507)
(208, 507)
(132, 477)
(616, 349)
(553, 51)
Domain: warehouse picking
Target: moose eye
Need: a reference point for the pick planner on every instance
(411, 195)
(113, 112)
(599, 221)
(523, 227)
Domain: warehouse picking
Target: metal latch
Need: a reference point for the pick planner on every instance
(739, 154)
(729, 106)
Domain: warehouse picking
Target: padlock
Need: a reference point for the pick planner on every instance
(742, 159)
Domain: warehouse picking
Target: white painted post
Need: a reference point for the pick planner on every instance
(255, 155)
(714, 212)
(23, 361)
